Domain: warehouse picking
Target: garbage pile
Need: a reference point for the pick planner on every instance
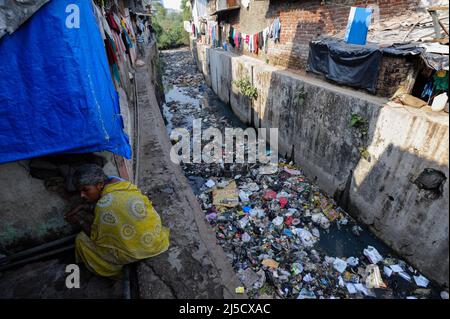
(272, 224)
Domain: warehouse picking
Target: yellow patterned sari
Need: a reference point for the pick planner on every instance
(126, 228)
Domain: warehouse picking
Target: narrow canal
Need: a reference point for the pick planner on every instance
(284, 237)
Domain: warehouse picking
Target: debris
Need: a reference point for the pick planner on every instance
(306, 294)
(364, 290)
(320, 219)
(340, 265)
(269, 195)
(387, 271)
(306, 237)
(226, 197)
(270, 263)
(297, 268)
(396, 268)
(331, 214)
(421, 281)
(240, 290)
(291, 171)
(246, 237)
(308, 278)
(373, 255)
(248, 278)
(405, 276)
(210, 183)
(278, 221)
(356, 230)
(274, 224)
(439, 102)
(352, 261)
(244, 196)
(351, 288)
(373, 279)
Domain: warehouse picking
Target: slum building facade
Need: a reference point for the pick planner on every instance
(393, 22)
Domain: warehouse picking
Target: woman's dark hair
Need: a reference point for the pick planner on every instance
(89, 174)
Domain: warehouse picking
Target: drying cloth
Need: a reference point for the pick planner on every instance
(276, 29)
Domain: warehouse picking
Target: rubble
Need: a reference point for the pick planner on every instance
(273, 222)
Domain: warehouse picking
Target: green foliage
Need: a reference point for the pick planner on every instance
(300, 97)
(246, 88)
(169, 27)
(357, 121)
(187, 14)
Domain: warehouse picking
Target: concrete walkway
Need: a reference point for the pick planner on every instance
(194, 266)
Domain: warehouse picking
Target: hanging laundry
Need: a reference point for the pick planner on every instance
(236, 40)
(125, 42)
(266, 39)
(255, 43)
(230, 35)
(110, 52)
(260, 40)
(276, 29)
(112, 22)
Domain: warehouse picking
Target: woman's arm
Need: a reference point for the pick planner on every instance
(73, 219)
(86, 227)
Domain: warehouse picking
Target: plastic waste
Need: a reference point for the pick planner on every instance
(373, 255)
(306, 237)
(306, 294)
(387, 271)
(373, 279)
(340, 265)
(421, 281)
(396, 268)
(240, 290)
(210, 183)
(352, 261)
(270, 263)
(278, 221)
(297, 268)
(405, 276)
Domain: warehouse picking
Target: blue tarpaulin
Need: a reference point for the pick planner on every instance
(56, 91)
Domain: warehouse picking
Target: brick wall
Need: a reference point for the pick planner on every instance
(303, 21)
(394, 73)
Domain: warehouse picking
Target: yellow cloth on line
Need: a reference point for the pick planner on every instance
(126, 228)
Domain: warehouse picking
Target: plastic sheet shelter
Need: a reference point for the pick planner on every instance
(56, 91)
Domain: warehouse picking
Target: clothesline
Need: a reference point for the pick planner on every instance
(255, 42)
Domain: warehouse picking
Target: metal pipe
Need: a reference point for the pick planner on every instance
(37, 249)
(35, 258)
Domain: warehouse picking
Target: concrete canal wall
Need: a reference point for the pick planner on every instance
(372, 168)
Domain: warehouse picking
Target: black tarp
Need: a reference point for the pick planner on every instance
(358, 65)
(403, 49)
(353, 65)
